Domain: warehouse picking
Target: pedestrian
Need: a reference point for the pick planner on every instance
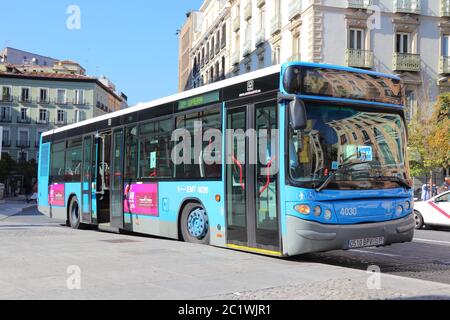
(34, 196)
(446, 186)
(426, 192)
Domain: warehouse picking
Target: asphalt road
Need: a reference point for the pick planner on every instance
(37, 251)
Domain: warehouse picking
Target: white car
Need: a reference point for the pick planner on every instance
(434, 212)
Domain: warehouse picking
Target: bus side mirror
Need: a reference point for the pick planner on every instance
(297, 112)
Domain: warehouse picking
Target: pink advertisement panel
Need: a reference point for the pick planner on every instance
(141, 199)
(56, 195)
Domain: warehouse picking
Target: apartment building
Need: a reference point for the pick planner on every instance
(20, 57)
(35, 99)
(409, 38)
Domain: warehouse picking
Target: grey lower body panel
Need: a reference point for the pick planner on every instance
(307, 237)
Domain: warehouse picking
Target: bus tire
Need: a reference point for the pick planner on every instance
(74, 214)
(418, 220)
(194, 224)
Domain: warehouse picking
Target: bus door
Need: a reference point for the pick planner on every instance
(88, 183)
(103, 177)
(117, 182)
(252, 178)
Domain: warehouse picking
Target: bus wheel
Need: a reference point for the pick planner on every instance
(195, 224)
(74, 214)
(419, 220)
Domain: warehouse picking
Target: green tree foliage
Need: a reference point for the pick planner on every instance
(429, 139)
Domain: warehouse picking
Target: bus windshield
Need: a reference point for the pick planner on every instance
(342, 136)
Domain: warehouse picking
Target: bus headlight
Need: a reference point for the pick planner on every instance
(317, 211)
(399, 210)
(328, 214)
(303, 209)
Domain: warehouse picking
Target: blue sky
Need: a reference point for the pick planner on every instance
(132, 42)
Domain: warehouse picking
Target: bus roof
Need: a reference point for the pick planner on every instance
(211, 87)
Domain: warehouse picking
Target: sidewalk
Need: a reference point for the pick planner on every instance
(11, 207)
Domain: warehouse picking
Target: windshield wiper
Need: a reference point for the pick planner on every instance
(334, 174)
(400, 181)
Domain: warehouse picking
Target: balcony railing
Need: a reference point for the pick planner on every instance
(444, 65)
(445, 8)
(42, 121)
(275, 25)
(25, 100)
(6, 143)
(23, 143)
(44, 101)
(23, 120)
(295, 58)
(407, 62)
(61, 122)
(359, 4)
(236, 58)
(295, 9)
(6, 118)
(248, 11)
(236, 23)
(359, 58)
(260, 3)
(260, 37)
(79, 102)
(408, 6)
(6, 99)
(247, 48)
(61, 102)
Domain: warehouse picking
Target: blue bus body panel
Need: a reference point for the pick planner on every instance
(43, 174)
(70, 189)
(351, 207)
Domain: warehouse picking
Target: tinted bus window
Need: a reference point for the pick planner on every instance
(73, 164)
(197, 167)
(131, 153)
(57, 162)
(155, 149)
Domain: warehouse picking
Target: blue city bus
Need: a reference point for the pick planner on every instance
(334, 176)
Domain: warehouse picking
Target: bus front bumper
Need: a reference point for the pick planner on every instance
(307, 237)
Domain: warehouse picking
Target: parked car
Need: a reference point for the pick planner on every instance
(434, 212)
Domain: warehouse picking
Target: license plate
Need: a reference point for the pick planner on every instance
(367, 242)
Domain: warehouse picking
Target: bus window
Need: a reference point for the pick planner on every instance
(131, 153)
(73, 161)
(57, 162)
(155, 152)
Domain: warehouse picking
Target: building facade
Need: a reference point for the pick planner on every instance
(409, 38)
(20, 57)
(36, 99)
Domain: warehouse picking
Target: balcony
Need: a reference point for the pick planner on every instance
(247, 48)
(61, 102)
(80, 102)
(61, 122)
(44, 101)
(408, 6)
(23, 143)
(445, 8)
(359, 4)
(6, 143)
(248, 11)
(25, 100)
(444, 65)
(295, 9)
(42, 121)
(235, 58)
(6, 118)
(236, 23)
(359, 58)
(260, 3)
(295, 58)
(25, 120)
(260, 37)
(275, 25)
(6, 99)
(407, 62)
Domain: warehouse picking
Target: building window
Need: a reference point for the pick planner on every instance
(261, 61)
(43, 95)
(61, 96)
(23, 139)
(60, 116)
(23, 115)
(356, 39)
(5, 114)
(446, 45)
(403, 42)
(25, 95)
(411, 103)
(79, 97)
(295, 46)
(43, 115)
(6, 94)
(22, 156)
(262, 18)
(276, 55)
(6, 138)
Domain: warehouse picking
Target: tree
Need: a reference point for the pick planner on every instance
(7, 165)
(429, 139)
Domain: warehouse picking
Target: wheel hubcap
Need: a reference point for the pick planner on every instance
(198, 223)
(416, 218)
